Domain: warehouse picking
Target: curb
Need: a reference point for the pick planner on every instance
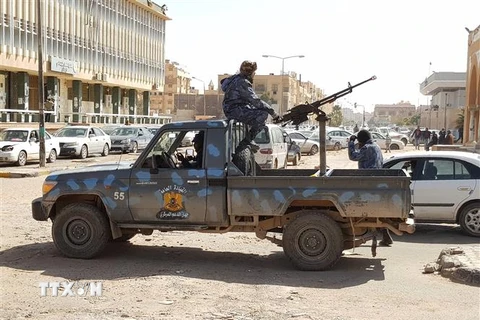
(6, 174)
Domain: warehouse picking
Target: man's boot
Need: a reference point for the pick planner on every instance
(387, 239)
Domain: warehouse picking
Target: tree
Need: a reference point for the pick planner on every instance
(336, 116)
(460, 119)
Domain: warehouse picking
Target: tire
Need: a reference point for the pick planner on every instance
(106, 150)
(405, 141)
(296, 160)
(80, 231)
(135, 147)
(313, 150)
(469, 219)
(313, 242)
(52, 157)
(125, 237)
(244, 160)
(337, 146)
(83, 152)
(22, 158)
(394, 147)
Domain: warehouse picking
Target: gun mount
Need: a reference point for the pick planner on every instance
(299, 114)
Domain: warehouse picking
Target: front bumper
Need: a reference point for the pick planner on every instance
(38, 211)
(69, 151)
(8, 157)
(121, 147)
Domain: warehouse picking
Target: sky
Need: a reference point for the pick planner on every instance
(400, 42)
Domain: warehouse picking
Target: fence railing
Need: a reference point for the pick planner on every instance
(27, 116)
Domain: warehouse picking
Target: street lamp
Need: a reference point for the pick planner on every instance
(204, 97)
(283, 67)
(445, 115)
(359, 105)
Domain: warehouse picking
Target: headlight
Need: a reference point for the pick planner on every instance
(47, 186)
(126, 141)
(7, 148)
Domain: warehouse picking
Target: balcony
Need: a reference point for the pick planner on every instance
(443, 81)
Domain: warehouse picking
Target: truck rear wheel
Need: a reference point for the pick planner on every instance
(80, 231)
(313, 242)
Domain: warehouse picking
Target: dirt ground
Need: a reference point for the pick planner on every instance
(188, 275)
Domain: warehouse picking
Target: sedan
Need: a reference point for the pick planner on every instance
(395, 144)
(343, 136)
(82, 141)
(306, 145)
(130, 139)
(445, 186)
(20, 145)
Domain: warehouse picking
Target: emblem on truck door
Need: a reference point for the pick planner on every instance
(173, 206)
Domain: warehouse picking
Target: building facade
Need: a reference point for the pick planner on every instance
(471, 132)
(101, 59)
(447, 91)
(387, 114)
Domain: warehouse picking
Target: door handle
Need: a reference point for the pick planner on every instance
(463, 189)
(193, 181)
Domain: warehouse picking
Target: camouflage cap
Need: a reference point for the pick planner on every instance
(248, 67)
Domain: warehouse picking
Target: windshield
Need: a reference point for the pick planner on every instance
(262, 137)
(14, 136)
(71, 132)
(124, 132)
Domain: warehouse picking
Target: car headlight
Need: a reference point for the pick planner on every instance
(71, 144)
(7, 148)
(126, 141)
(48, 185)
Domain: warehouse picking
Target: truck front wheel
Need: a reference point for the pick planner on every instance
(80, 231)
(313, 242)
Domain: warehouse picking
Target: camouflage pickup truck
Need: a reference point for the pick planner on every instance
(313, 218)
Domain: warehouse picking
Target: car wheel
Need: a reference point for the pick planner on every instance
(135, 147)
(470, 219)
(296, 160)
(313, 241)
(314, 149)
(105, 151)
(394, 147)
(405, 141)
(80, 231)
(22, 158)
(52, 157)
(337, 146)
(84, 152)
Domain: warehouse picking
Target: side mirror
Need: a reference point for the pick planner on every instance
(32, 139)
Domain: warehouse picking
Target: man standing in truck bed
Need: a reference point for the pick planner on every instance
(242, 104)
(369, 156)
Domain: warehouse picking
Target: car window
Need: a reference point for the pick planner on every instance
(263, 137)
(277, 135)
(296, 135)
(407, 165)
(98, 132)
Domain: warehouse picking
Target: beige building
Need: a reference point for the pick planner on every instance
(386, 114)
(101, 59)
(472, 107)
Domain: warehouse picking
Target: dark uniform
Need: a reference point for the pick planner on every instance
(242, 104)
(369, 156)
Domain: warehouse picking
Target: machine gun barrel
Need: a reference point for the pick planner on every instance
(299, 113)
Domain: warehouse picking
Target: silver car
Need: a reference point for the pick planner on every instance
(82, 141)
(130, 139)
(306, 145)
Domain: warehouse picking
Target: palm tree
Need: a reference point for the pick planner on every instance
(460, 119)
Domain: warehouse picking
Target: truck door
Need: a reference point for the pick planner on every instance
(163, 188)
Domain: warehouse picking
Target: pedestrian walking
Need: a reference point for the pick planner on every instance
(388, 141)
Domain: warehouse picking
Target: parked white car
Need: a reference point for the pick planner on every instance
(445, 186)
(273, 148)
(82, 141)
(20, 145)
(395, 144)
(392, 133)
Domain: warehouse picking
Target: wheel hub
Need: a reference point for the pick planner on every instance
(473, 220)
(78, 232)
(312, 242)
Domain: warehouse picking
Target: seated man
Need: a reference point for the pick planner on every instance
(196, 161)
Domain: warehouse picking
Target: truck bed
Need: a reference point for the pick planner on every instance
(382, 193)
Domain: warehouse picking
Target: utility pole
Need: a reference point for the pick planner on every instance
(41, 98)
